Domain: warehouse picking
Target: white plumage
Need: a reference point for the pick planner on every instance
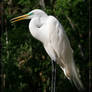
(50, 32)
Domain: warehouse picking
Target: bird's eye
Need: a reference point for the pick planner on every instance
(30, 13)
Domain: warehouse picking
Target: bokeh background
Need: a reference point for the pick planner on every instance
(25, 65)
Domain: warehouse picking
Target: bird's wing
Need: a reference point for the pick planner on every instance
(61, 46)
(59, 39)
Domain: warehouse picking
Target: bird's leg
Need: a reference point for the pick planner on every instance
(53, 84)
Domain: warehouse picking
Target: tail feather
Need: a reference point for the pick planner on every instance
(71, 72)
(75, 77)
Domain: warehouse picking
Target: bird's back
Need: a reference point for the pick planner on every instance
(59, 49)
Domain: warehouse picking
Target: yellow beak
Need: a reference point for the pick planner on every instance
(19, 18)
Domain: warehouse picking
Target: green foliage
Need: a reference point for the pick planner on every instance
(26, 65)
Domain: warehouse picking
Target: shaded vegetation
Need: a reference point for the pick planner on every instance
(26, 67)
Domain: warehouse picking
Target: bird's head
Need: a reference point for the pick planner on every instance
(30, 15)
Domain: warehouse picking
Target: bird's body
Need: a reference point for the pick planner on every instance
(54, 39)
(50, 32)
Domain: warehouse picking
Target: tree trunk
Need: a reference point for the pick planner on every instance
(42, 3)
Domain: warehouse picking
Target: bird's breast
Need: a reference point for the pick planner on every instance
(40, 34)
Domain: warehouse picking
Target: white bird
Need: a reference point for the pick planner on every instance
(50, 32)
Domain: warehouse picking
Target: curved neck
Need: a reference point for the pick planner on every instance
(35, 26)
(39, 21)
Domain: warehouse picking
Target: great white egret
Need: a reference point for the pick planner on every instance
(50, 32)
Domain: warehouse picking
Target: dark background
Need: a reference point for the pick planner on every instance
(25, 65)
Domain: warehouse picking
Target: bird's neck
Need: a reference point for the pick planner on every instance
(39, 21)
(35, 25)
